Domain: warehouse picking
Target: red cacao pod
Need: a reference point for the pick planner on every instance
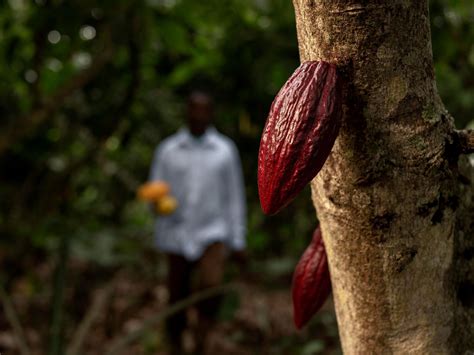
(311, 281)
(300, 131)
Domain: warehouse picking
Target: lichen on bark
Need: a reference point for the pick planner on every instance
(395, 206)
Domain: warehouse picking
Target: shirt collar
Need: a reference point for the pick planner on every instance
(207, 139)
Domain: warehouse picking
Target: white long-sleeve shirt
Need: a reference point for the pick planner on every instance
(205, 176)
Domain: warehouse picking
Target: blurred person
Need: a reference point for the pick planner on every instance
(203, 169)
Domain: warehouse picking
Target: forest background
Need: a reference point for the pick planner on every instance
(87, 90)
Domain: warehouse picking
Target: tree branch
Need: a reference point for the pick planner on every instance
(12, 318)
(134, 52)
(39, 40)
(98, 304)
(121, 341)
(466, 141)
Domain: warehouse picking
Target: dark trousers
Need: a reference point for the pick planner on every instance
(209, 270)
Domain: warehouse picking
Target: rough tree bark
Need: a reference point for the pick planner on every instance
(394, 201)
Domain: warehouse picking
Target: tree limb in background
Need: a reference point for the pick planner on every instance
(39, 41)
(12, 318)
(98, 304)
(57, 300)
(134, 52)
(115, 115)
(118, 344)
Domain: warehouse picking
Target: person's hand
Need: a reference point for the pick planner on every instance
(153, 191)
(166, 205)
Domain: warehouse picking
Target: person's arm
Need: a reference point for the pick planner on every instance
(237, 204)
(157, 170)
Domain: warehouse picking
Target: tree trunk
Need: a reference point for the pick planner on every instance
(396, 209)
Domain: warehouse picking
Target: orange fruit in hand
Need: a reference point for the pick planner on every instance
(166, 205)
(153, 191)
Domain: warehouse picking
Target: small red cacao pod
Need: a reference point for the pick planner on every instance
(311, 281)
(300, 131)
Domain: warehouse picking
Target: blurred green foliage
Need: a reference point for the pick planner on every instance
(88, 88)
(452, 27)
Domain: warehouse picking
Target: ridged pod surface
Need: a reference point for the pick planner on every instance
(300, 131)
(311, 281)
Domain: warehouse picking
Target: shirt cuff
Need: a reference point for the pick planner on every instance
(238, 244)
